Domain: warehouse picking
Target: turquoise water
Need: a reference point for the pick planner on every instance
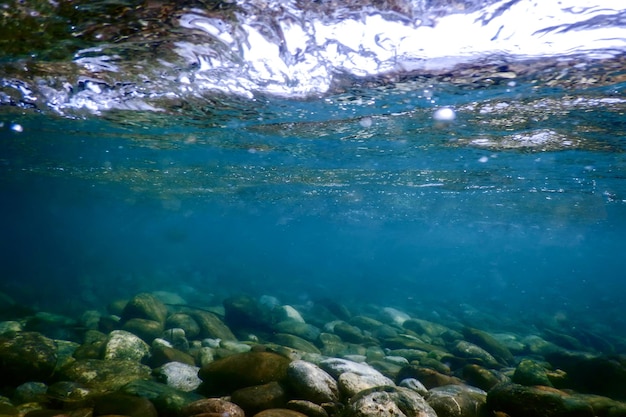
(294, 150)
(360, 197)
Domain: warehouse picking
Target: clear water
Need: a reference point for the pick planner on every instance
(514, 212)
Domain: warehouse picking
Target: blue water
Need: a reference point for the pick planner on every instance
(317, 198)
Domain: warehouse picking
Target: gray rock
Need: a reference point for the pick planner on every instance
(394, 316)
(312, 383)
(469, 350)
(529, 372)
(179, 375)
(351, 384)
(303, 330)
(30, 392)
(336, 367)
(458, 401)
(123, 345)
(287, 313)
(414, 385)
(185, 322)
(389, 402)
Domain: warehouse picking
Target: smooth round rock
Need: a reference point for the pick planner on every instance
(260, 397)
(123, 404)
(183, 321)
(145, 306)
(104, 375)
(213, 406)
(123, 345)
(179, 375)
(458, 401)
(279, 412)
(244, 370)
(388, 402)
(310, 382)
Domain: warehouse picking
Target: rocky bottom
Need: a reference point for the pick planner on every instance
(154, 355)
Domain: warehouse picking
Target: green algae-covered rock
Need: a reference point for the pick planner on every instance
(145, 306)
(529, 372)
(168, 401)
(522, 401)
(104, 375)
(458, 401)
(123, 404)
(244, 370)
(123, 345)
(26, 356)
(260, 397)
(490, 344)
(212, 327)
(295, 342)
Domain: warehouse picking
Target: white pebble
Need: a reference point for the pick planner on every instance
(17, 127)
(366, 122)
(444, 114)
(483, 159)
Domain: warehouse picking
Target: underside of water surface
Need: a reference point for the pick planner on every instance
(442, 153)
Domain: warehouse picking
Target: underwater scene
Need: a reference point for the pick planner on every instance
(282, 208)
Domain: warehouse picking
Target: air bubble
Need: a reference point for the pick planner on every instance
(444, 114)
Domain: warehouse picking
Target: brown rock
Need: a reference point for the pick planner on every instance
(244, 370)
(123, 404)
(279, 412)
(212, 406)
(145, 306)
(260, 397)
(522, 401)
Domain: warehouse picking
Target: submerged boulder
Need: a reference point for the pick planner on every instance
(243, 370)
(389, 402)
(26, 356)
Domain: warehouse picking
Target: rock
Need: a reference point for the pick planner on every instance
(529, 372)
(429, 377)
(26, 356)
(183, 321)
(179, 375)
(10, 326)
(260, 397)
(177, 338)
(458, 401)
(425, 327)
(394, 316)
(145, 306)
(104, 375)
(349, 333)
(279, 412)
(167, 400)
(414, 385)
(387, 368)
(123, 345)
(351, 384)
(68, 395)
(409, 354)
(490, 344)
(244, 370)
(30, 392)
(123, 404)
(310, 382)
(388, 402)
(538, 346)
(212, 327)
(303, 330)
(295, 342)
(592, 374)
(307, 408)
(287, 313)
(147, 330)
(476, 353)
(214, 406)
(522, 401)
(336, 367)
(246, 314)
(162, 354)
(482, 378)
(332, 345)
